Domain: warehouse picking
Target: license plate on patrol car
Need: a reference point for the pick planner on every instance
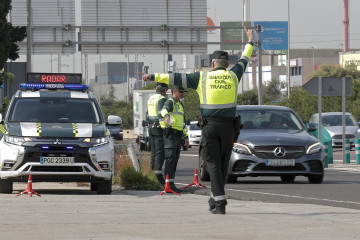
(280, 162)
(56, 160)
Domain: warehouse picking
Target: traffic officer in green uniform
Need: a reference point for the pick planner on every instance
(173, 112)
(217, 92)
(156, 126)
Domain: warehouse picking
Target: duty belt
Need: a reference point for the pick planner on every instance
(154, 124)
(220, 119)
(176, 132)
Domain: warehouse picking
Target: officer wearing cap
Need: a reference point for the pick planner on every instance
(156, 126)
(173, 112)
(217, 92)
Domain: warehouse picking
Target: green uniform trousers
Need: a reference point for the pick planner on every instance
(217, 143)
(157, 148)
(172, 153)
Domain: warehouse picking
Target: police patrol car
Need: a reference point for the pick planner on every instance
(54, 130)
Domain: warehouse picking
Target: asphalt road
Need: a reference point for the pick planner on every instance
(339, 188)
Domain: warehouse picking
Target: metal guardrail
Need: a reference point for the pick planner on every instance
(131, 152)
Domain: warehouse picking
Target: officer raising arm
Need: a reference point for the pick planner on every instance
(217, 92)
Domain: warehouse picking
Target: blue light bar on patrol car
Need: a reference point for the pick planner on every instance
(36, 86)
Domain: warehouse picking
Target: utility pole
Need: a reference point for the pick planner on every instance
(288, 53)
(29, 37)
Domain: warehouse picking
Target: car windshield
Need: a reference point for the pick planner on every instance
(270, 119)
(336, 120)
(65, 110)
(194, 127)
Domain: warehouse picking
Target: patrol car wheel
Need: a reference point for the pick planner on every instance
(6, 186)
(104, 187)
(93, 186)
(204, 175)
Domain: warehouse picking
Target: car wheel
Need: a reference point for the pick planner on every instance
(316, 179)
(287, 179)
(104, 187)
(231, 179)
(204, 175)
(6, 186)
(93, 186)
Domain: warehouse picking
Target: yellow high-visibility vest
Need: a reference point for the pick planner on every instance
(217, 89)
(153, 112)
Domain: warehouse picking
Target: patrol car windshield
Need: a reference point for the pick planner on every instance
(63, 110)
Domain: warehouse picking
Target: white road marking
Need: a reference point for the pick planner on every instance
(189, 155)
(291, 196)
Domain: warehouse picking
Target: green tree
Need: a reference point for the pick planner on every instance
(272, 91)
(9, 36)
(305, 104)
(248, 98)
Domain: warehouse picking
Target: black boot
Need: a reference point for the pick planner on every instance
(161, 179)
(220, 207)
(211, 204)
(175, 189)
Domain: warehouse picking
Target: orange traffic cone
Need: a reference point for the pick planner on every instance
(29, 189)
(167, 187)
(196, 181)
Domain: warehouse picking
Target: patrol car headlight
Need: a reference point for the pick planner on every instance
(97, 141)
(314, 148)
(241, 148)
(16, 139)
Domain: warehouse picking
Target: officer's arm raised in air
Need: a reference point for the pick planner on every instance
(192, 80)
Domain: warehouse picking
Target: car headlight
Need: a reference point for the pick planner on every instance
(241, 148)
(96, 141)
(314, 148)
(17, 140)
(192, 135)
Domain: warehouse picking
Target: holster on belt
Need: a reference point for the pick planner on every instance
(237, 126)
(201, 122)
(167, 131)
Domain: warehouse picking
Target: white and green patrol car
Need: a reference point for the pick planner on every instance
(56, 133)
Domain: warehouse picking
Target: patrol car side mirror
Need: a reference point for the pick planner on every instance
(187, 122)
(114, 120)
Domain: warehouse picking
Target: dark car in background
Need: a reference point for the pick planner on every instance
(272, 142)
(116, 132)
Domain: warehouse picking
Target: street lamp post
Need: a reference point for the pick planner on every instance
(313, 57)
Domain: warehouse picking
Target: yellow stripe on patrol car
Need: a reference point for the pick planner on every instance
(38, 129)
(75, 130)
(2, 128)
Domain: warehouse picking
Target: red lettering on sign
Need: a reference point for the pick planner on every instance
(53, 78)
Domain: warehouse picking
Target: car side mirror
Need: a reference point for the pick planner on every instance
(311, 127)
(114, 120)
(187, 122)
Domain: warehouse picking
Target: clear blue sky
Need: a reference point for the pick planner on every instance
(312, 22)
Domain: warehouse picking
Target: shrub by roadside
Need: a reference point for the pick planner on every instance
(127, 177)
